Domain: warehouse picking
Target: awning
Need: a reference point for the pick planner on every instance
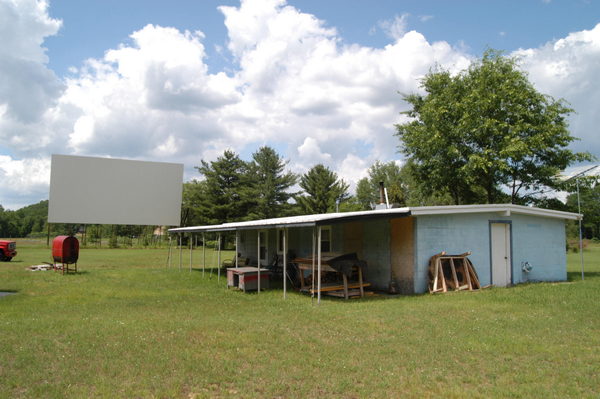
(343, 217)
(297, 221)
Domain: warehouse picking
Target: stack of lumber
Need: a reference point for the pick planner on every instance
(452, 272)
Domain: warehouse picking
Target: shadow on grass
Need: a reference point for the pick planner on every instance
(208, 271)
(576, 276)
(76, 273)
(277, 285)
(71, 273)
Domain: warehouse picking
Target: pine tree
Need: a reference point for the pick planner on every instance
(221, 196)
(322, 190)
(269, 184)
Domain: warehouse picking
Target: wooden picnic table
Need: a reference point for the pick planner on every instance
(330, 288)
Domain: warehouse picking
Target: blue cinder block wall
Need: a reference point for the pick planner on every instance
(541, 242)
(537, 240)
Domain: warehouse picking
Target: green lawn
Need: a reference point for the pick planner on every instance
(127, 326)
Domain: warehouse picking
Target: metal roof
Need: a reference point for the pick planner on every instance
(298, 221)
(340, 217)
(503, 209)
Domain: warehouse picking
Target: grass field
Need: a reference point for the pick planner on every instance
(128, 327)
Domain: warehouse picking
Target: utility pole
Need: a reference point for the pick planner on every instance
(576, 177)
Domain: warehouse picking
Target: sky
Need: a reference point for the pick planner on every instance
(319, 81)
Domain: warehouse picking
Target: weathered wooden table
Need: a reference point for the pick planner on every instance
(345, 287)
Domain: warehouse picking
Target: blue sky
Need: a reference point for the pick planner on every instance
(91, 27)
(317, 80)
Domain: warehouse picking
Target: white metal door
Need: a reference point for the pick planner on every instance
(501, 271)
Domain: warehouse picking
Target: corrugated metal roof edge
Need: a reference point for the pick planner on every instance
(327, 218)
(507, 209)
(296, 221)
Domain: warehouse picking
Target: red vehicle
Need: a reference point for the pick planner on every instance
(8, 250)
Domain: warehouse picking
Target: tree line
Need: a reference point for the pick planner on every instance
(230, 189)
(32, 221)
(484, 135)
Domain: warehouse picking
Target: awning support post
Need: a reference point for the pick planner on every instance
(180, 249)
(312, 276)
(284, 262)
(580, 228)
(319, 264)
(258, 258)
(219, 258)
(203, 253)
(191, 248)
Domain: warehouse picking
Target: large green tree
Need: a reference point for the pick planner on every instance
(322, 190)
(269, 184)
(486, 132)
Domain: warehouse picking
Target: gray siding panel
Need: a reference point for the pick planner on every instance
(376, 251)
(248, 245)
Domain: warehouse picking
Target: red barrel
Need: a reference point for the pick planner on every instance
(65, 249)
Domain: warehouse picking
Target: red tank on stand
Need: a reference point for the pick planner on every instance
(65, 250)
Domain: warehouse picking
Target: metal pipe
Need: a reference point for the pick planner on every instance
(203, 254)
(219, 258)
(576, 177)
(180, 250)
(258, 257)
(312, 276)
(319, 265)
(284, 261)
(580, 228)
(191, 248)
(387, 200)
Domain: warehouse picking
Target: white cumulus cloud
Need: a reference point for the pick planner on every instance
(568, 68)
(27, 87)
(28, 178)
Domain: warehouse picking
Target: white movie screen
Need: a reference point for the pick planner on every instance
(91, 190)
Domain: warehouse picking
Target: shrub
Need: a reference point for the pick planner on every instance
(113, 242)
(573, 244)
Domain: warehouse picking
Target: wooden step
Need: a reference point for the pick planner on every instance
(353, 293)
(337, 287)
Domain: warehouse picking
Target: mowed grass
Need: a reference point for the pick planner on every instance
(126, 326)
